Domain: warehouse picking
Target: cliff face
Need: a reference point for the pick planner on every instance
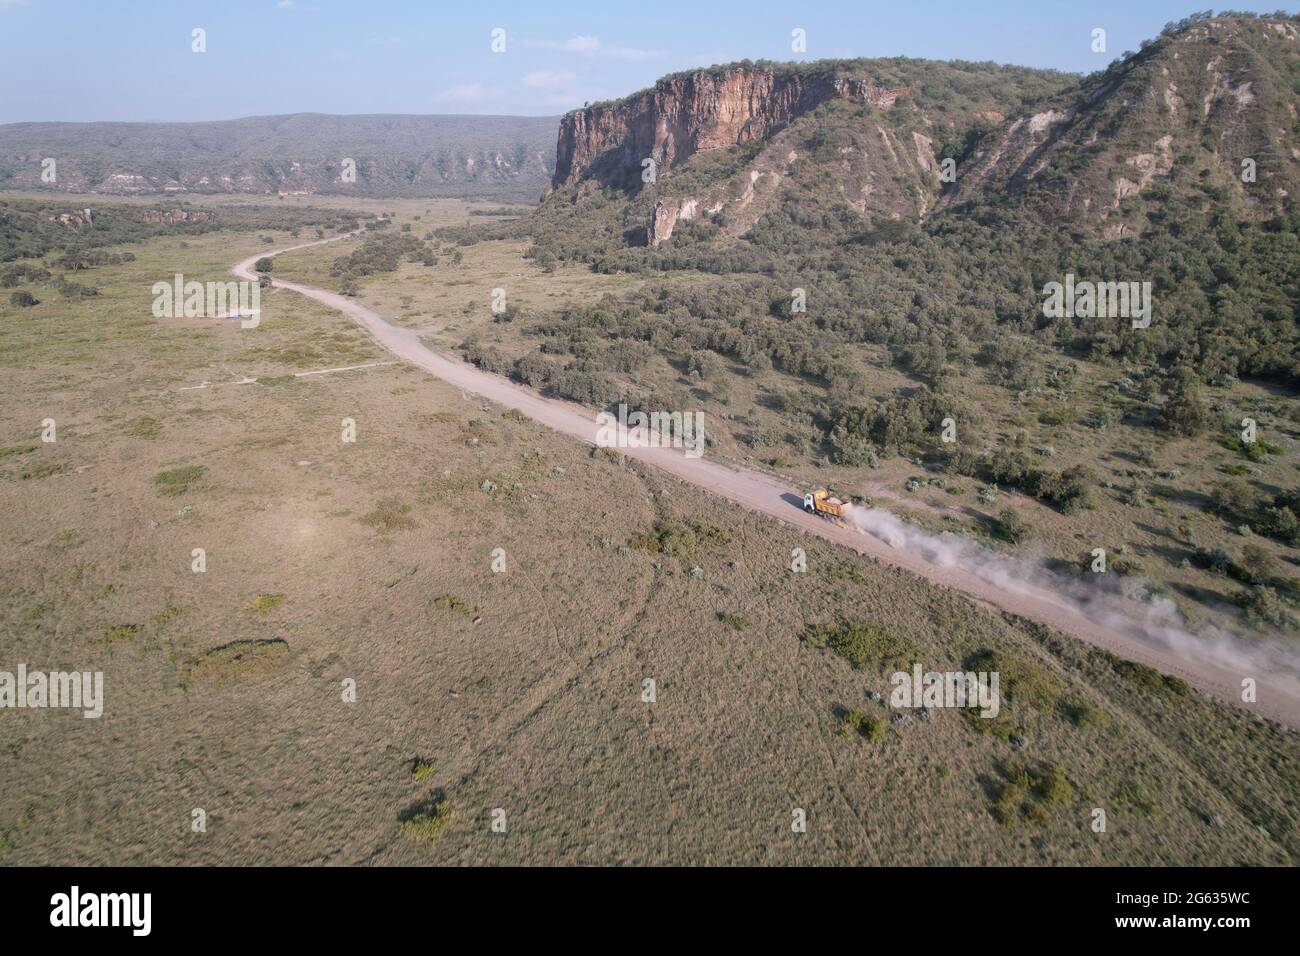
(684, 115)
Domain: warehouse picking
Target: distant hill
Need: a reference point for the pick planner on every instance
(490, 157)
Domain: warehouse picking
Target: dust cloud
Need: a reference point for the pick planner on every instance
(1119, 603)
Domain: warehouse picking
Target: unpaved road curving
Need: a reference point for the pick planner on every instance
(1278, 692)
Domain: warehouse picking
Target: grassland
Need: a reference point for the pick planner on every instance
(1150, 509)
(369, 565)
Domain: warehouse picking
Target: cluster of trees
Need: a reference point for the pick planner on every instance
(1277, 515)
(1069, 491)
(28, 232)
(13, 275)
(81, 259)
(381, 251)
(580, 380)
(858, 433)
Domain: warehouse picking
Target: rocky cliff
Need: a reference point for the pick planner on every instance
(694, 112)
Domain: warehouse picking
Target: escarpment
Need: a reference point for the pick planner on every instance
(660, 128)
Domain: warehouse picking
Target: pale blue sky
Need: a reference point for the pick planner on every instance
(131, 59)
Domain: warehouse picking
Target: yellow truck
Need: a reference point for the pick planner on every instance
(821, 502)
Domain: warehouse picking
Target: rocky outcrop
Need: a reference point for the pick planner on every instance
(663, 220)
(78, 217)
(690, 113)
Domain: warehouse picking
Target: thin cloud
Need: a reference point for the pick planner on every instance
(557, 88)
(549, 80)
(592, 47)
(467, 94)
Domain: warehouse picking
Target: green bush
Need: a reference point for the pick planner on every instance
(429, 822)
(177, 481)
(861, 724)
(389, 515)
(263, 603)
(865, 646)
(1150, 679)
(1010, 527)
(1020, 679)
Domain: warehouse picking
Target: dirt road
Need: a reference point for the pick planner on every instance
(1278, 690)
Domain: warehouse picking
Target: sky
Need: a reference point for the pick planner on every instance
(82, 60)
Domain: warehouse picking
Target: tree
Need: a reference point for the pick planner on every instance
(1011, 527)
(263, 264)
(1259, 562)
(1184, 412)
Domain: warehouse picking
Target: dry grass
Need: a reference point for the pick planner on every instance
(537, 707)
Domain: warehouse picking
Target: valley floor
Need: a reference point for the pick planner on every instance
(1279, 690)
(371, 564)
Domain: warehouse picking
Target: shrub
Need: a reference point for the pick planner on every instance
(40, 469)
(263, 264)
(1150, 679)
(451, 602)
(1029, 791)
(533, 370)
(1081, 713)
(427, 823)
(1050, 785)
(24, 299)
(1263, 607)
(733, 621)
(1070, 491)
(861, 724)
(389, 515)
(1020, 680)
(177, 481)
(1258, 562)
(863, 645)
(120, 631)
(679, 540)
(263, 603)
